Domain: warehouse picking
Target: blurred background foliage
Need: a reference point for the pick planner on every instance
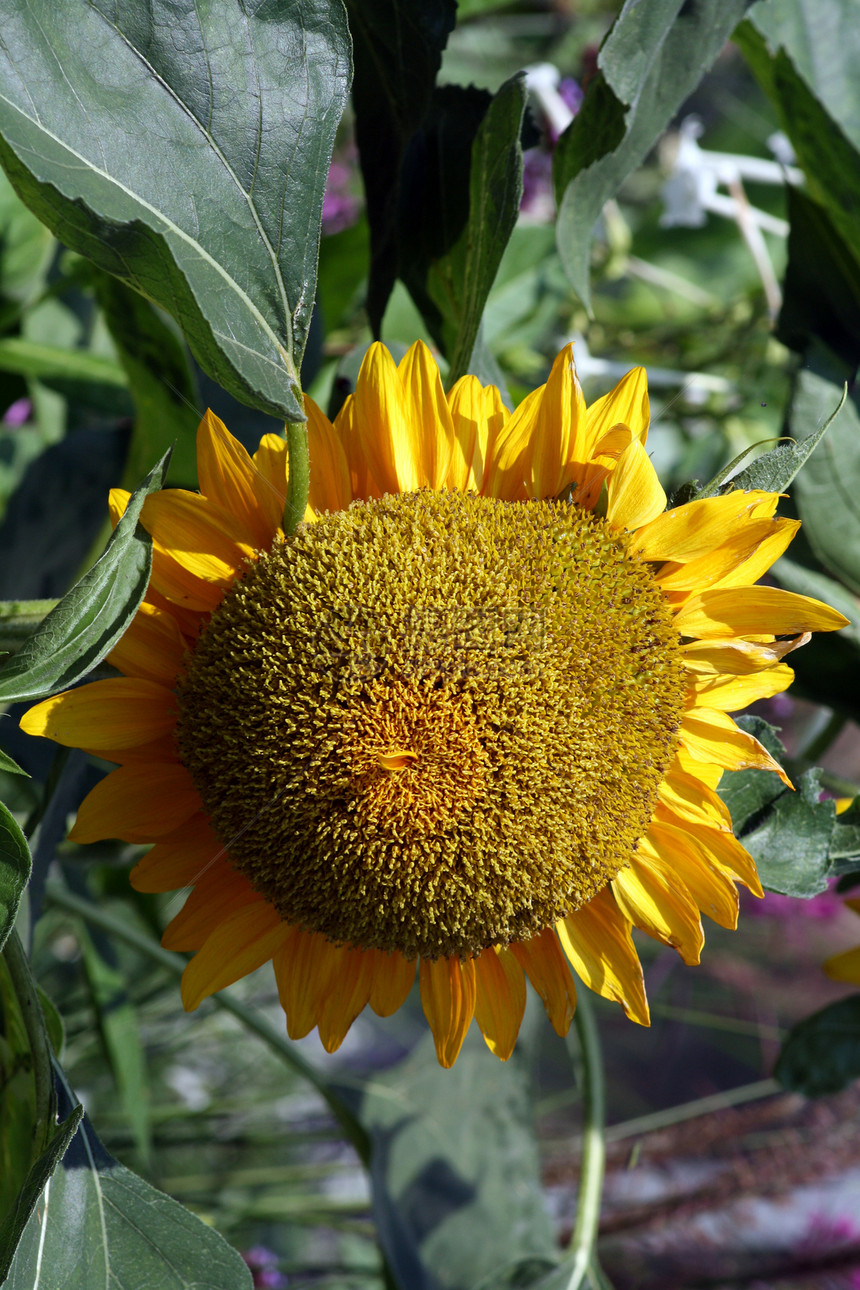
(725, 183)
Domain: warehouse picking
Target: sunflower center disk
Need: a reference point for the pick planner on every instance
(434, 722)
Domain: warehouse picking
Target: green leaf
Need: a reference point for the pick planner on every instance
(155, 361)
(824, 127)
(786, 833)
(845, 841)
(454, 1155)
(773, 471)
(120, 1031)
(821, 291)
(651, 61)
(26, 247)
(397, 49)
(15, 1222)
(53, 1022)
(98, 1226)
(185, 149)
(827, 492)
(9, 766)
(15, 866)
(90, 618)
(465, 212)
(50, 362)
(822, 1053)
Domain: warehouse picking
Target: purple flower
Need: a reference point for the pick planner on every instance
(264, 1269)
(18, 413)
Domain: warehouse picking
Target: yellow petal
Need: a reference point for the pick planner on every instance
(844, 967)
(606, 454)
(753, 611)
(393, 979)
(204, 540)
(508, 464)
(330, 488)
(697, 528)
(384, 428)
(361, 484)
(709, 774)
(181, 857)
(105, 714)
(731, 693)
(448, 999)
(738, 562)
(708, 658)
(711, 888)
(719, 849)
(228, 477)
(598, 943)
(634, 494)
(546, 967)
(139, 803)
(626, 405)
(500, 1000)
(545, 438)
(711, 736)
(305, 966)
(153, 647)
(478, 416)
(243, 942)
(426, 408)
(218, 892)
(688, 798)
(341, 1005)
(271, 463)
(659, 905)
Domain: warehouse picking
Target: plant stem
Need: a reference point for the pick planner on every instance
(175, 963)
(40, 1048)
(584, 1238)
(299, 478)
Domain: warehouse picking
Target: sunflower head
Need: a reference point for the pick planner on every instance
(469, 717)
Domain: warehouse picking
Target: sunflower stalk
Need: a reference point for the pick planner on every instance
(589, 1062)
(298, 482)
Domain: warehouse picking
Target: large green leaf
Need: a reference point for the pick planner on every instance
(651, 61)
(15, 866)
(397, 49)
(454, 1169)
(821, 291)
(98, 1226)
(90, 619)
(185, 148)
(827, 670)
(786, 833)
(462, 188)
(822, 1054)
(827, 490)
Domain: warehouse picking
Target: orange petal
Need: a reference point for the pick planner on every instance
(500, 1000)
(634, 494)
(306, 966)
(139, 803)
(393, 979)
(711, 736)
(153, 648)
(697, 528)
(448, 998)
(180, 858)
(598, 943)
(217, 893)
(427, 411)
(243, 942)
(660, 905)
(752, 611)
(228, 478)
(546, 967)
(347, 997)
(105, 714)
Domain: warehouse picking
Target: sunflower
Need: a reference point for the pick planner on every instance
(467, 722)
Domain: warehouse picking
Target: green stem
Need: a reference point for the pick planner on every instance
(584, 1238)
(40, 1047)
(19, 619)
(692, 1110)
(841, 787)
(64, 899)
(300, 474)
